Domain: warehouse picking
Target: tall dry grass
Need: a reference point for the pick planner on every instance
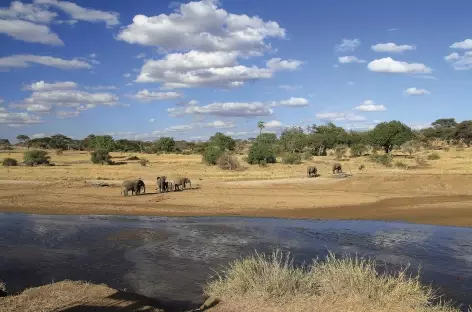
(273, 283)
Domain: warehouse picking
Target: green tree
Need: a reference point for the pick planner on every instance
(165, 144)
(325, 137)
(211, 154)
(5, 144)
(36, 157)
(445, 123)
(293, 139)
(23, 139)
(267, 138)
(224, 142)
(39, 143)
(464, 132)
(261, 126)
(103, 142)
(261, 153)
(59, 141)
(389, 134)
(100, 156)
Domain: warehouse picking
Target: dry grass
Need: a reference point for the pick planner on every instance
(273, 283)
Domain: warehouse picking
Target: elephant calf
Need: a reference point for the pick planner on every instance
(162, 185)
(177, 182)
(337, 168)
(134, 186)
(311, 172)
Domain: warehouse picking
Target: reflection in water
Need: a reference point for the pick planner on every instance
(171, 258)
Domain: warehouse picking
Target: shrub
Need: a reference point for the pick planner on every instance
(307, 155)
(361, 167)
(358, 150)
(228, 162)
(59, 152)
(36, 157)
(433, 156)
(261, 153)
(100, 156)
(401, 164)
(9, 162)
(340, 151)
(384, 159)
(211, 154)
(410, 147)
(292, 159)
(143, 162)
(421, 161)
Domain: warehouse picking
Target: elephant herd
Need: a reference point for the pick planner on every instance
(312, 171)
(163, 184)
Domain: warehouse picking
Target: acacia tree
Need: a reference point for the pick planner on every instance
(293, 139)
(165, 144)
(464, 132)
(224, 142)
(261, 126)
(389, 134)
(23, 139)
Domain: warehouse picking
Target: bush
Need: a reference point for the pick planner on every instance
(228, 162)
(421, 161)
(307, 156)
(358, 150)
(292, 159)
(261, 153)
(211, 154)
(59, 152)
(100, 156)
(411, 147)
(143, 162)
(384, 159)
(340, 151)
(9, 162)
(361, 167)
(433, 156)
(401, 164)
(36, 157)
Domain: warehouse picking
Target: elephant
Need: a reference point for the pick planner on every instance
(134, 186)
(162, 184)
(311, 172)
(337, 168)
(175, 183)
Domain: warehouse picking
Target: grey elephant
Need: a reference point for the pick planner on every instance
(337, 168)
(162, 185)
(134, 186)
(311, 171)
(175, 183)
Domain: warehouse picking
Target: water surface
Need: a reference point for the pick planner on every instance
(171, 258)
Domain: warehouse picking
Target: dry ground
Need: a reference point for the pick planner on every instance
(438, 193)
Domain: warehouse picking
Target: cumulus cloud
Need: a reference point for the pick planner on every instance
(460, 62)
(370, 106)
(348, 45)
(202, 26)
(140, 55)
(415, 91)
(100, 87)
(466, 45)
(25, 60)
(236, 134)
(18, 119)
(82, 14)
(274, 125)
(197, 69)
(391, 47)
(147, 96)
(44, 86)
(339, 117)
(349, 59)
(29, 12)
(389, 65)
(67, 114)
(279, 64)
(29, 32)
(231, 109)
(294, 102)
(187, 103)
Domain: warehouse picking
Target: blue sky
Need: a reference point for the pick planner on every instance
(145, 69)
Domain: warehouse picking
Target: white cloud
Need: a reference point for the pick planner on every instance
(415, 91)
(218, 124)
(29, 32)
(202, 26)
(39, 108)
(294, 102)
(66, 114)
(460, 62)
(83, 14)
(38, 135)
(339, 117)
(18, 119)
(370, 106)
(236, 134)
(466, 45)
(350, 83)
(100, 87)
(349, 59)
(230, 109)
(140, 55)
(44, 86)
(127, 75)
(29, 12)
(348, 45)
(274, 125)
(25, 60)
(146, 96)
(189, 103)
(389, 65)
(196, 69)
(289, 88)
(152, 120)
(82, 108)
(277, 64)
(69, 22)
(93, 55)
(391, 47)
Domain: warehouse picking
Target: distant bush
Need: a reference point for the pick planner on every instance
(361, 167)
(186, 153)
(292, 159)
(261, 153)
(358, 150)
(411, 147)
(401, 165)
(340, 151)
(433, 156)
(383, 159)
(36, 157)
(211, 154)
(228, 161)
(59, 152)
(421, 161)
(307, 155)
(9, 162)
(143, 162)
(100, 156)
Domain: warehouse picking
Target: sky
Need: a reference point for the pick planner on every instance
(143, 69)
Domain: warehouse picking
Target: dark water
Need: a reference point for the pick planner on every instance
(171, 258)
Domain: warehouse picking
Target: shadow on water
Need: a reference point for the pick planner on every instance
(171, 259)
